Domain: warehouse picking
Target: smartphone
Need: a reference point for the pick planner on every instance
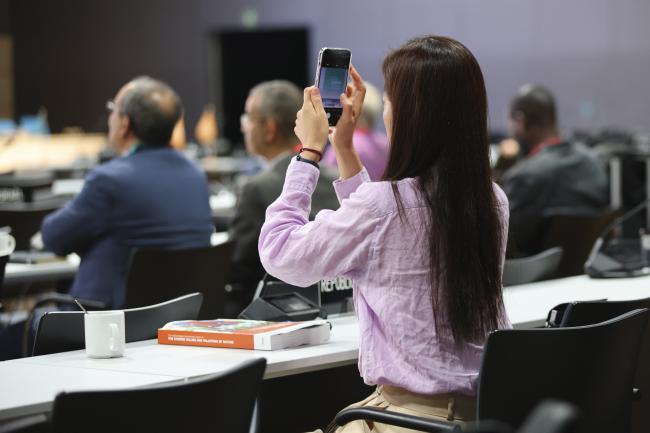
(332, 79)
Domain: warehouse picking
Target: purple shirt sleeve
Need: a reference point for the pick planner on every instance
(336, 243)
(344, 188)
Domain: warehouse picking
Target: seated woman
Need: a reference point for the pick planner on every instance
(425, 247)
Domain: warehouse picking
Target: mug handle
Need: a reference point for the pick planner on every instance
(114, 335)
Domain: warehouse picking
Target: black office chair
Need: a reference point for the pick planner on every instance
(60, 331)
(538, 267)
(221, 402)
(587, 313)
(576, 235)
(591, 367)
(25, 218)
(156, 275)
(549, 416)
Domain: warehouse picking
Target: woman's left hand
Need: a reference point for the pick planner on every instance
(311, 121)
(352, 104)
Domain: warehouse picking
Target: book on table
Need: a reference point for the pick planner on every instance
(244, 334)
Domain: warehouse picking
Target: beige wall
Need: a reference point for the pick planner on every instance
(6, 77)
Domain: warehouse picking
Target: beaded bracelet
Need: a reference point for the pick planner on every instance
(317, 152)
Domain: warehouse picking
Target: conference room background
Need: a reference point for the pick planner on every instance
(70, 56)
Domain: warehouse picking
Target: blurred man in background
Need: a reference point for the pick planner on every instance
(150, 197)
(267, 125)
(552, 177)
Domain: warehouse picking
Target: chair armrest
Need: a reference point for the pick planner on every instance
(27, 424)
(63, 298)
(48, 298)
(394, 418)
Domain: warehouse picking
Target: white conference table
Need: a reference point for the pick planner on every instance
(29, 385)
(528, 304)
(21, 273)
(29, 389)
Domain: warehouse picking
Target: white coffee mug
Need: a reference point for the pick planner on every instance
(7, 244)
(104, 331)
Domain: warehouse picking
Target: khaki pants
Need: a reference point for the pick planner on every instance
(446, 407)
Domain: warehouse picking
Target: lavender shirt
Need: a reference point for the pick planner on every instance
(372, 148)
(387, 258)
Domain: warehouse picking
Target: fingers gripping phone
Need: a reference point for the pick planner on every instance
(332, 79)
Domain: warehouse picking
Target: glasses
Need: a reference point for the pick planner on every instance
(245, 120)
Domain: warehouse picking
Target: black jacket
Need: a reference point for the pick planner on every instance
(565, 179)
(256, 195)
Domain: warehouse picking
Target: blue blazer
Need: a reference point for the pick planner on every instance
(153, 198)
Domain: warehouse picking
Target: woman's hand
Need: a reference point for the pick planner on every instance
(352, 103)
(311, 121)
(347, 158)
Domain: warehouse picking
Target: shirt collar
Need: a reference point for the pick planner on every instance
(134, 149)
(553, 141)
(279, 157)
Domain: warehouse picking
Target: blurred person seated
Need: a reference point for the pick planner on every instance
(552, 177)
(371, 145)
(207, 129)
(267, 125)
(151, 196)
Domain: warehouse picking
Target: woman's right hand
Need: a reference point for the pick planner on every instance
(311, 121)
(352, 103)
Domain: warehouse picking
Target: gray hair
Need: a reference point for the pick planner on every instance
(153, 109)
(279, 100)
(372, 107)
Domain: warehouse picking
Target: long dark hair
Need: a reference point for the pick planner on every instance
(439, 136)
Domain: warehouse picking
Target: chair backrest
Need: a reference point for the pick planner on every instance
(60, 331)
(551, 417)
(591, 367)
(533, 268)
(216, 403)
(156, 275)
(586, 313)
(25, 218)
(576, 235)
(3, 264)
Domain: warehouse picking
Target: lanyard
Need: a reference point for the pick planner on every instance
(134, 149)
(543, 145)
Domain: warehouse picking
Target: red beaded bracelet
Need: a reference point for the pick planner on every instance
(317, 152)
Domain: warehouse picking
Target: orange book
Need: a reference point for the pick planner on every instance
(244, 334)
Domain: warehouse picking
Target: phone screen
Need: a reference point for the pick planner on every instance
(332, 79)
(331, 83)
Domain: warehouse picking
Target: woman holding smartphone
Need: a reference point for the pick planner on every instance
(425, 247)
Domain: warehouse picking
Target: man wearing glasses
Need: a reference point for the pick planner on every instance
(267, 126)
(149, 197)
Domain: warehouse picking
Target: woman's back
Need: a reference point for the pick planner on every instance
(387, 255)
(393, 300)
(425, 248)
